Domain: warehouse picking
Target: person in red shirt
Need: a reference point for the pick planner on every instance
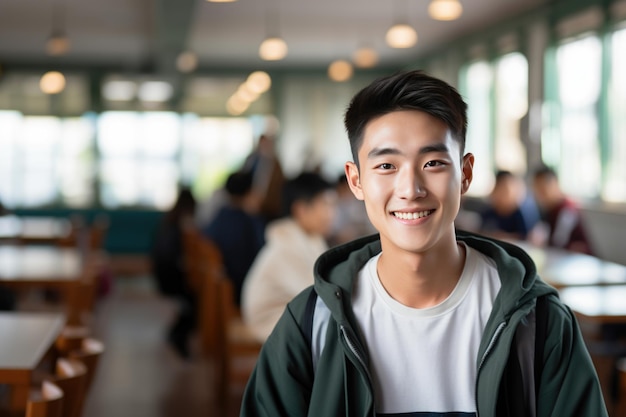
(562, 214)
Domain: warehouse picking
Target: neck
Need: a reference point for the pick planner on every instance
(424, 279)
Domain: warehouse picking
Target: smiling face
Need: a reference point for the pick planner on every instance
(411, 177)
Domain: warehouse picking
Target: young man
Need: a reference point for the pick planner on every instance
(238, 229)
(512, 213)
(420, 320)
(566, 228)
(284, 267)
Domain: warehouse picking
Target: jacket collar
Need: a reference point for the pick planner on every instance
(337, 268)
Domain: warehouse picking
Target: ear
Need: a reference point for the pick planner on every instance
(354, 181)
(467, 167)
(298, 210)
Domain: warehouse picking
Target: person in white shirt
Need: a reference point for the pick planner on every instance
(284, 266)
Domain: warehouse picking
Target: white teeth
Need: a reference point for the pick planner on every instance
(412, 216)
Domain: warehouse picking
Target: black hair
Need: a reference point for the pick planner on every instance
(503, 174)
(185, 205)
(407, 90)
(546, 172)
(305, 187)
(239, 183)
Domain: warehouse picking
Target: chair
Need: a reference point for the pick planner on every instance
(71, 377)
(203, 262)
(621, 392)
(192, 255)
(208, 266)
(88, 237)
(239, 347)
(70, 339)
(46, 401)
(98, 231)
(89, 353)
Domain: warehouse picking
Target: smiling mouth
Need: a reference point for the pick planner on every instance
(413, 215)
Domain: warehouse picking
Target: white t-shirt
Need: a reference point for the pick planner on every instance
(424, 360)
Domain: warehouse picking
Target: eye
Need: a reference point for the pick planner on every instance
(385, 166)
(431, 164)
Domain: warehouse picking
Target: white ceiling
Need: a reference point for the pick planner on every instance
(147, 35)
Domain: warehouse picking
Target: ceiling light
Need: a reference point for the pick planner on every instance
(340, 70)
(259, 82)
(52, 82)
(236, 106)
(365, 57)
(401, 35)
(445, 9)
(245, 94)
(57, 44)
(273, 49)
(187, 62)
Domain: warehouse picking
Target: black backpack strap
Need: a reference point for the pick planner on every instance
(541, 330)
(307, 319)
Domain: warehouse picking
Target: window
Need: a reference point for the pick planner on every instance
(45, 160)
(211, 149)
(573, 145)
(138, 165)
(614, 189)
(497, 100)
(138, 159)
(477, 90)
(511, 99)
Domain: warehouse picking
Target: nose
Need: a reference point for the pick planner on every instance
(410, 185)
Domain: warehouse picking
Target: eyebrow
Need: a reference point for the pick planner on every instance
(435, 148)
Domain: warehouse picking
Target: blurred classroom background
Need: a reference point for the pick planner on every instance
(108, 111)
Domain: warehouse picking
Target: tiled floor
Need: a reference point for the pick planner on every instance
(139, 374)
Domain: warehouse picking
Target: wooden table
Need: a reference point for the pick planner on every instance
(25, 338)
(561, 268)
(33, 229)
(38, 264)
(24, 267)
(597, 303)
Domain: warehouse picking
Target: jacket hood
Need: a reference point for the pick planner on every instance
(337, 268)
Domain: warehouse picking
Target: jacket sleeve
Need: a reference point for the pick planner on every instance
(281, 382)
(569, 383)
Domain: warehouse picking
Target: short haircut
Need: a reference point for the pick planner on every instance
(503, 174)
(305, 187)
(407, 90)
(239, 183)
(545, 172)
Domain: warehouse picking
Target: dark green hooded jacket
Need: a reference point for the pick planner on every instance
(285, 382)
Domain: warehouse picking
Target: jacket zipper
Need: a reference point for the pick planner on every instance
(351, 345)
(492, 342)
(346, 334)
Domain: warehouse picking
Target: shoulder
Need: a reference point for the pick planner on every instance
(561, 322)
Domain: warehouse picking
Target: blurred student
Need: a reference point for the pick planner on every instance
(237, 229)
(167, 263)
(351, 220)
(268, 177)
(566, 228)
(284, 267)
(512, 213)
